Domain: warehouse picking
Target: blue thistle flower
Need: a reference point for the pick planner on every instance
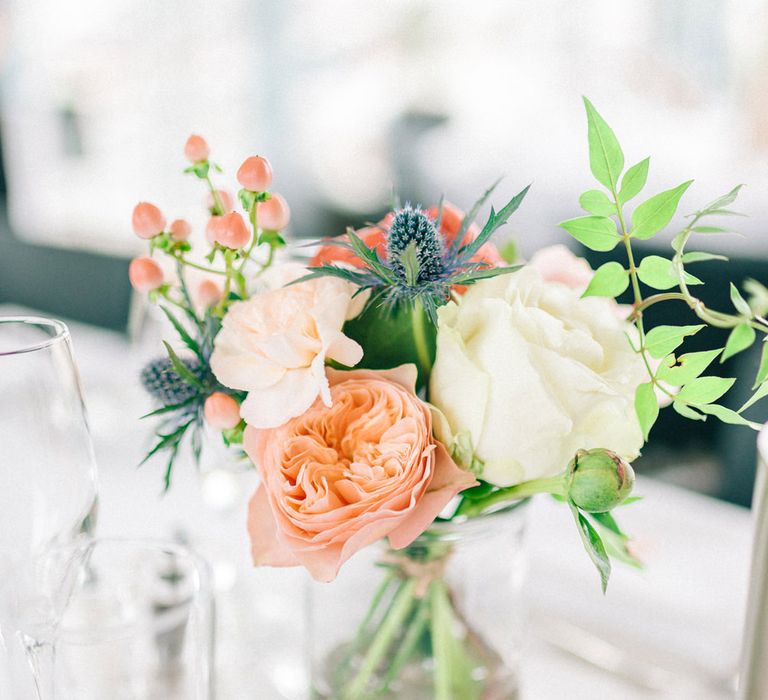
(163, 382)
(420, 269)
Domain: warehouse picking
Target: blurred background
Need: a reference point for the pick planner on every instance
(351, 100)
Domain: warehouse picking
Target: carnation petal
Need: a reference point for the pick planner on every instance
(344, 350)
(274, 405)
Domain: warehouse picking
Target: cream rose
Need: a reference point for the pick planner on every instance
(530, 373)
(275, 344)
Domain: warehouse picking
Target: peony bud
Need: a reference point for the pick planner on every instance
(221, 411)
(145, 274)
(599, 480)
(180, 230)
(255, 174)
(208, 293)
(148, 221)
(230, 231)
(196, 149)
(225, 198)
(274, 214)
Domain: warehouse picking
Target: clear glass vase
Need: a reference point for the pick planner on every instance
(439, 620)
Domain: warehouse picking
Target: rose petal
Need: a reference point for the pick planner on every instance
(266, 548)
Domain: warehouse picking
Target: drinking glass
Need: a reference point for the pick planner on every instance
(47, 497)
(138, 625)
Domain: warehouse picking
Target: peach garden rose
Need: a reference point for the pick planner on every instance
(339, 478)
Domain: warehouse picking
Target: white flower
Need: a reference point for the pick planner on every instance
(531, 373)
(275, 344)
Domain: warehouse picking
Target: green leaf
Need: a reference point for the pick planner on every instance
(646, 407)
(595, 232)
(740, 338)
(633, 181)
(709, 229)
(686, 411)
(702, 257)
(495, 220)
(662, 340)
(470, 216)
(761, 393)
(606, 159)
(704, 390)
(726, 415)
(610, 280)
(724, 200)
(686, 368)
(187, 339)
(508, 251)
(607, 521)
(654, 214)
(597, 202)
(594, 546)
(762, 372)
(181, 369)
(739, 302)
(659, 273)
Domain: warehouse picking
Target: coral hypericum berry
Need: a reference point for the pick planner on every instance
(145, 274)
(255, 174)
(196, 149)
(147, 220)
(274, 214)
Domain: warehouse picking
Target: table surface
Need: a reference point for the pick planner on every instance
(670, 631)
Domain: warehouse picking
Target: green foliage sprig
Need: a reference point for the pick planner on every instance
(671, 372)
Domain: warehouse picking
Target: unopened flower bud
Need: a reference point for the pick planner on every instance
(196, 149)
(180, 230)
(221, 411)
(255, 174)
(599, 480)
(148, 221)
(145, 274)
(274, 214)
(225, 200)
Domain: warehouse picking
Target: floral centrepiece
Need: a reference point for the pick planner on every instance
(412, 379)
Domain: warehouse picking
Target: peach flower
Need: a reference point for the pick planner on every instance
(196, 149)
(221, 411)
(229, 231)
(556, 263)
(180, 230)
(335, 480)
(275, 344)
(255, 174)
(225, 198)
(375, 236)
(274, 214)
(147, 220)
(145, 274)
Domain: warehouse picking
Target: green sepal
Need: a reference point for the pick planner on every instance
(594, 546)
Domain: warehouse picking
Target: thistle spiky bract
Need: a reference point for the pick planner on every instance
(419, 267)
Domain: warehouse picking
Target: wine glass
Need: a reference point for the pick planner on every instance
(47, 496)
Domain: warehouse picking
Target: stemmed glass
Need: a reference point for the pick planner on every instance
(47, 496)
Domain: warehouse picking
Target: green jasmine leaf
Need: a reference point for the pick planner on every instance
(709, 229)
(724, 200)
(762, 372)
(663, 340)
(702, 257)
(595, 232)
(685, 368)
(633, 181)
(739, 302)
(646, 407)
(761, 393)
(726, 415)
(739, 339)
(597, 202)
(606, 159)
(659, 273)
(610, 280)
(686, 411)
(654, 214)
(704, 390)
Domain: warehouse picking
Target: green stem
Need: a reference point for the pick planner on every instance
(553, 484)
(180, 258)
(218, 206)
(416, 629)
(385, 636)
(418, 323)
(252, 216)
(442, 640)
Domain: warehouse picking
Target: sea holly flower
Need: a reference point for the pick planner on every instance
(162, 382)
(412, 261)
